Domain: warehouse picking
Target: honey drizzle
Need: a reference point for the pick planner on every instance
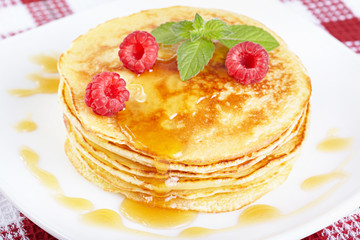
(332, 143)
(103, 217)
(156, 217)
(47, 63)
(320, 180)
(77, 204)
(196, 232)
(167, 52)
(161, 166)
(321, 198)
(26, 125)
(136, 92)
(253, 214)
(31, 159)
(44, 83)
(259, 213)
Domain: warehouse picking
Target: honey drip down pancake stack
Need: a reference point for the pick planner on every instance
(208, 144)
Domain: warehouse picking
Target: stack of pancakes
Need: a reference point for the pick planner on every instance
(208, 144)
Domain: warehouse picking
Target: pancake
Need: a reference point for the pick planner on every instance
(208, 144)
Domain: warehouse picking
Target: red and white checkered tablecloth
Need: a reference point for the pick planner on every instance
(339, 17)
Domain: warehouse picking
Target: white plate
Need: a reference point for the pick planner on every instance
(335, 73)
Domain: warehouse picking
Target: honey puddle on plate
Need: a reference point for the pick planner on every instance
(44, 82)
(26, 125)
(156, 217)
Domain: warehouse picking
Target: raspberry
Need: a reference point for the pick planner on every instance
(106, 94)
(247, 62)
(138, 51)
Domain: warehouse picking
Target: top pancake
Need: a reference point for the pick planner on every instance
(204, 120)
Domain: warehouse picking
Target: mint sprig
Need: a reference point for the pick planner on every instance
(197, 48)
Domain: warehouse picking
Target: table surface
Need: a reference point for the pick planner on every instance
(339, 17)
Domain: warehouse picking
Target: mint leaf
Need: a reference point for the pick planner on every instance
(216, 28)
(163, 34)
(192, 57)
(196, 34)
(182, 29)
(254, 34)
(198, 22)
